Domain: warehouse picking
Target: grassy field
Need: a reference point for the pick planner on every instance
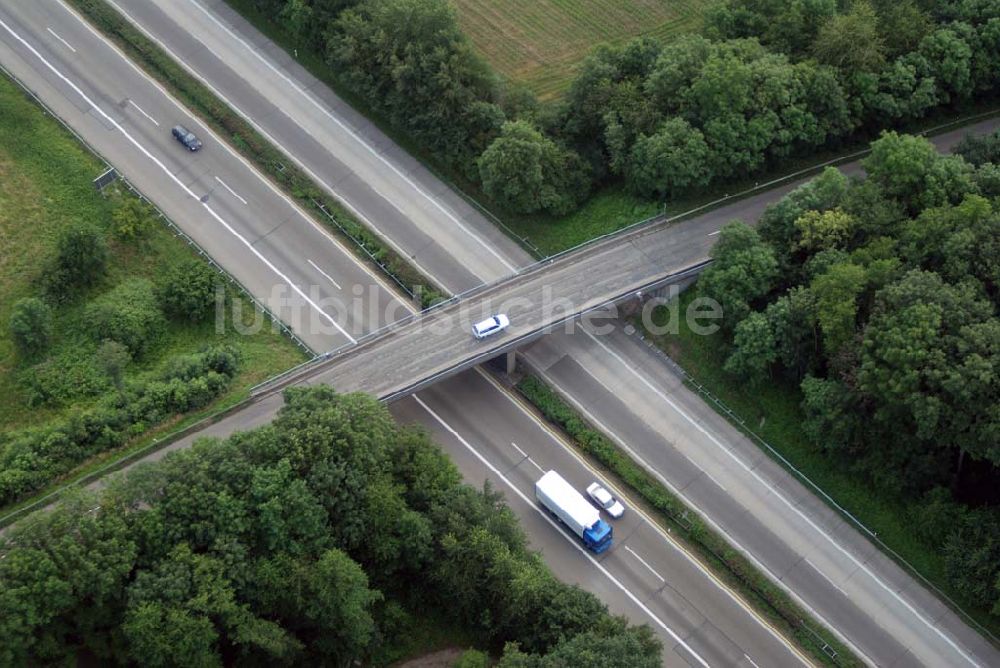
(774, 413)
(541, 42)
(45, 185)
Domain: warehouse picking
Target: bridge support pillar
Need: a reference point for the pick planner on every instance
(511, 362)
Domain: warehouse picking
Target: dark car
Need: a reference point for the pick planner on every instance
(186, 137)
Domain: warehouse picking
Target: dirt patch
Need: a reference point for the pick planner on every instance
(444, 658)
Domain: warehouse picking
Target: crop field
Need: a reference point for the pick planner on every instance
(541, 42)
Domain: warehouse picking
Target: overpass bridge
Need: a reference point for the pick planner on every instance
(418, 350)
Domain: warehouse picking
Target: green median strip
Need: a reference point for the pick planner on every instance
(725, 561)
(261, 153)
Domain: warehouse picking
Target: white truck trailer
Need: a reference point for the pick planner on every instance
(567, 504)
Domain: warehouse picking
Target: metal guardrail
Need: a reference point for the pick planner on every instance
(177, 232)
(830, 501)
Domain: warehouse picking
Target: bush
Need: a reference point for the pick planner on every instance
(31, 327)
(128, 314)
(188, 291)
(70, 375)
(473, 658)
(131, 219)
(81, 261)
(32, 458)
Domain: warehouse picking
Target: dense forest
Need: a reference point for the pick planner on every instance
(320, 539)
(880, 300)
(768, 79)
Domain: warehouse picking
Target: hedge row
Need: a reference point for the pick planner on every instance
(32, 458)
(252, 145)
(769, 598)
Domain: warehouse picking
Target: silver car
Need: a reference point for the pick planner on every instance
(605, 501)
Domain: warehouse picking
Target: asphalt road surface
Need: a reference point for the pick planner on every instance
(892, 605)
(127, 118)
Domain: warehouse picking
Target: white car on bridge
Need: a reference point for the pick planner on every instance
(490, 326)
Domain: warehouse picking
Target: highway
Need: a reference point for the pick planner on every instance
(887, 618)
(930, 636)
(419, 216)
(127, 118)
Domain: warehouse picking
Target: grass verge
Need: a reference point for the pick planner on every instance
(45, 187)
(241, 135)
(766, 597)
(609, 208)
(775, 414)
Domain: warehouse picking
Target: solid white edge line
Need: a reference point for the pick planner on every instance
(174, 178)
(562, 533)
(784, 500)
(340, 198)
(229, 149)
(667, 538)
(688, 502)
(357, 138)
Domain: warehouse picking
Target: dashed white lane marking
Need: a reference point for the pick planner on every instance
(378, 155)
(231, 191)
(143, 112)
(643, 562)
(712, 234)
(659, 622)
(784, 500)
(527, 457)
(65, 43)
(347, 252)
(142, 149)
(328, 277)
(822, 575)
(752, 662)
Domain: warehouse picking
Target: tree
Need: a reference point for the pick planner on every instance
(980, 149)
(184, 608)
(112, 357)
(851, 41)
(754, 349)
(901, 25)
(412, 62)
(929, 361)
(910, 170)
(821, 230)
(128, 314)
(31, 326)
(950, 60)
(837, 291)
(80, 262)
(634, 648)
(743, 270)
(526, 172)
(792, 319)
(673, 160)
(130, 219)
(189, 291)
(972, 556)
(327, 604)
(832, 415)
